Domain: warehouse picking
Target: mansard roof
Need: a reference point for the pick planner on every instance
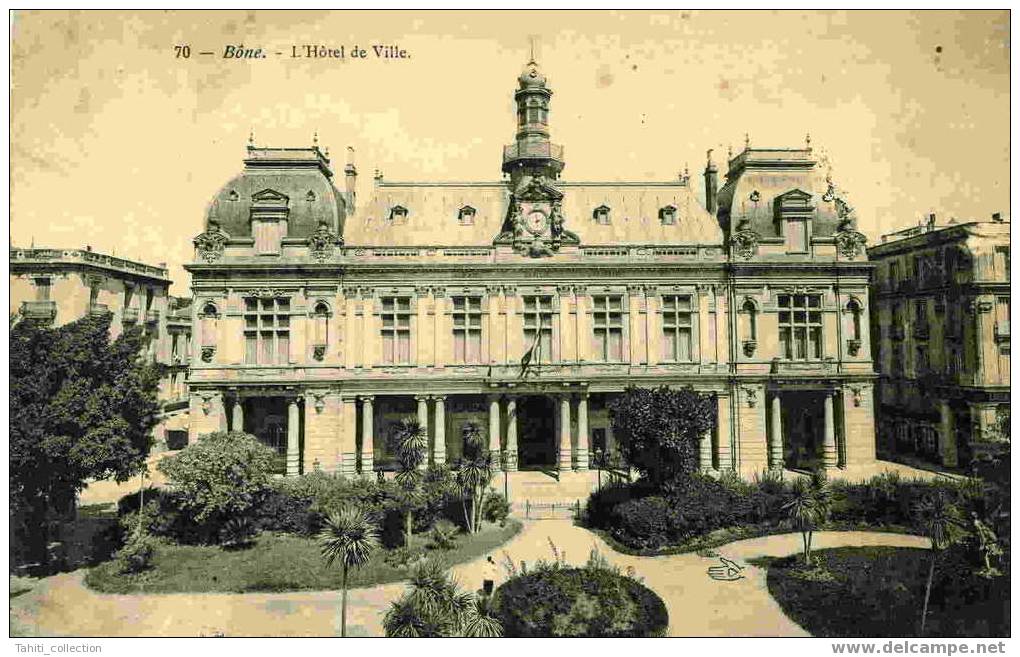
(433, 214)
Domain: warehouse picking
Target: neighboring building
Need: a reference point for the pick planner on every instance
(320, 321)
(941, 332)
(58, 286)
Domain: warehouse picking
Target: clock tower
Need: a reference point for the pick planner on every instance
(534, 221)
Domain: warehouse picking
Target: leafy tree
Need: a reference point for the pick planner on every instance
(409, 442)
(658, 429)
(809, 506)
(434, 606)
(348, 538)
(82, 408)
(473, 476)
(942, 522)
(222, 476)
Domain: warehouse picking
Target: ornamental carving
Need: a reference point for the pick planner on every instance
(212, 243)
(319, 352)
(833, 194)
(853, 347)
(850, 242)
(856, 392)
(265, 292)
(322, 243)
(749, 347)
(745, 242)
(534, 223)
(208, 353)
(751, 394)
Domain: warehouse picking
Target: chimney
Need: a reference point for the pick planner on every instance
(997, 217)
(711, 184)
(931, 221)
(350, 177)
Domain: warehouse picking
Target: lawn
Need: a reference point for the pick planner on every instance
(879, 592)
(275, 562)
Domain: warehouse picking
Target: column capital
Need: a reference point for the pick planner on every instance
(422, 398)
(367, 399)
(439, 398)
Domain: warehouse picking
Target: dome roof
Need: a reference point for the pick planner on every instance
(531, 77)
(298, 179)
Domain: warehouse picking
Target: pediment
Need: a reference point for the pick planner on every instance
(795, 200)
(269, 197)
(537, 189)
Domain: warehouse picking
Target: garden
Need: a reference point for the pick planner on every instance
(224, 523)
(672, 508)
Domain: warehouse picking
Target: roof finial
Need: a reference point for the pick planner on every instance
(251, 138)
(807, 141)
(708, 156)
(531, 40)
(350, 155)
(315, 139)
(747, 141)
(687, 173)
(729, 151)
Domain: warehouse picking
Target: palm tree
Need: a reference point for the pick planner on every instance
(350, 538)
(409, 442)
(809, 507)
(434, 606)
(474, 475)
(941, 521)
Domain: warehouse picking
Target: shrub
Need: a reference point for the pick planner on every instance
(443, 535)
(404, 556)
(496, 509)
(593, 601)
(649, 522)
(282, 512)
(221, 476)
(601, 502)
(237, 532)
(137, 553)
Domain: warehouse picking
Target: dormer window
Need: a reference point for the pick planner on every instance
(310, 196)
(667, 215)
(793, 213)
(466, 215)
(398, 214)
(601, 215)
(233, 196)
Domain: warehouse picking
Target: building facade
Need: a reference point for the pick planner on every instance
(941, 332)
(321, 320)
(57, 286)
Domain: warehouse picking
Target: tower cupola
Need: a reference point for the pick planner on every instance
(532, 153)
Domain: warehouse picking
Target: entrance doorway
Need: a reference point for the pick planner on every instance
(536, 433)
(266, 419)
(803, 429)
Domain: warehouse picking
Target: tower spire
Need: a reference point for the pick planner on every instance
(532, 154)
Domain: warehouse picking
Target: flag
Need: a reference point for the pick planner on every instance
(533, 353)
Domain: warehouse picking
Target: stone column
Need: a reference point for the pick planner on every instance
(367, 435)
(947, 434)
(439, 449)
(348, 452)
(511, 433)
(582, 431)
(705, 452)
(423, 412)
(293, 438)
(776, 435)
(238, 414)
(494, 425)
(564, 426)
(830, 457)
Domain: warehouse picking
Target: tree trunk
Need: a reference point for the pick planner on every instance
(803, 543)
(467, 518)
(408, 526)
(927, 590)
(810, 535)
(343, 605)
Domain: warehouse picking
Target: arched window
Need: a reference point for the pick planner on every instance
(209, 317)
(853, 307)
(321, 317)
(750, 313)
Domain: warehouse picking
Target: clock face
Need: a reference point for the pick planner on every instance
(536, 221)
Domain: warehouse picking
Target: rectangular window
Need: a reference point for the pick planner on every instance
(894, 274)
(467, 330)
(921, 314)
(538, 317)
(1002, 262)
(897, 359)
(148, 299)
(266, 331)
(268, 235)
(129, 293)
(677, 323)
(921, 365)
(607, 318)
(1002, 309)
(42, 289)
(800, 326)
(796, 235)
(396, 329)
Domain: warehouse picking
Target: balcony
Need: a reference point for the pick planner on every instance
(129, 315)
(896, 332)
(921, 331)
(151, 316)
(1002, 331)
(802, 366)
(40, 311)
(527, 150)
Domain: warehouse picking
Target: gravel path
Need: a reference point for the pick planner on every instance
(698, 605)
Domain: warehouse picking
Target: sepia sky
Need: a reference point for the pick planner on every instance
(118, 144)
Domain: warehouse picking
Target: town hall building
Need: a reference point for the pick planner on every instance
(321, 319)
